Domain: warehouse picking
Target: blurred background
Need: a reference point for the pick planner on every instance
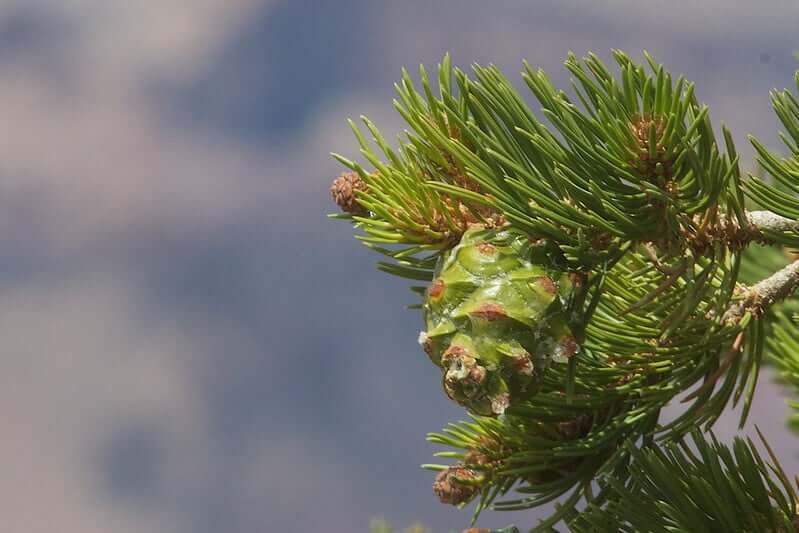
(188, 344)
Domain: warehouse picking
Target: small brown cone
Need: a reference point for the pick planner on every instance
(344, 190)
(450, 488)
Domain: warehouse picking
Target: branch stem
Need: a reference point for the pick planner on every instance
(767, 221)
(758, 226)
(766, 293)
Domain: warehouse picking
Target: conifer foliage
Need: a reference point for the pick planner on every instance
(581, 264)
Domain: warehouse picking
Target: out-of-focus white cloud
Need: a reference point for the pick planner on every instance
(311, 475)
(103, 166)
(82, 364)
(88, 159)
(709, 18)
(92, 152)
(121, 37)
(77, 365)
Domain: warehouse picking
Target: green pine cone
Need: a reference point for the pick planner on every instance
(495, 319)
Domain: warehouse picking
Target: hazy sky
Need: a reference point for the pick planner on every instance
(189, 345)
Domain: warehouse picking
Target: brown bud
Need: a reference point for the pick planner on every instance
(470, 385)
(500, 402)
(568, 346)
(489, 311)
(452, 485)
(343, 193)
(548, 284)
(459, 355)
(477, 375)
(522, 364)
(436, 288)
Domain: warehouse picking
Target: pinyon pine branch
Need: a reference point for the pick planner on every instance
(582, 266)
